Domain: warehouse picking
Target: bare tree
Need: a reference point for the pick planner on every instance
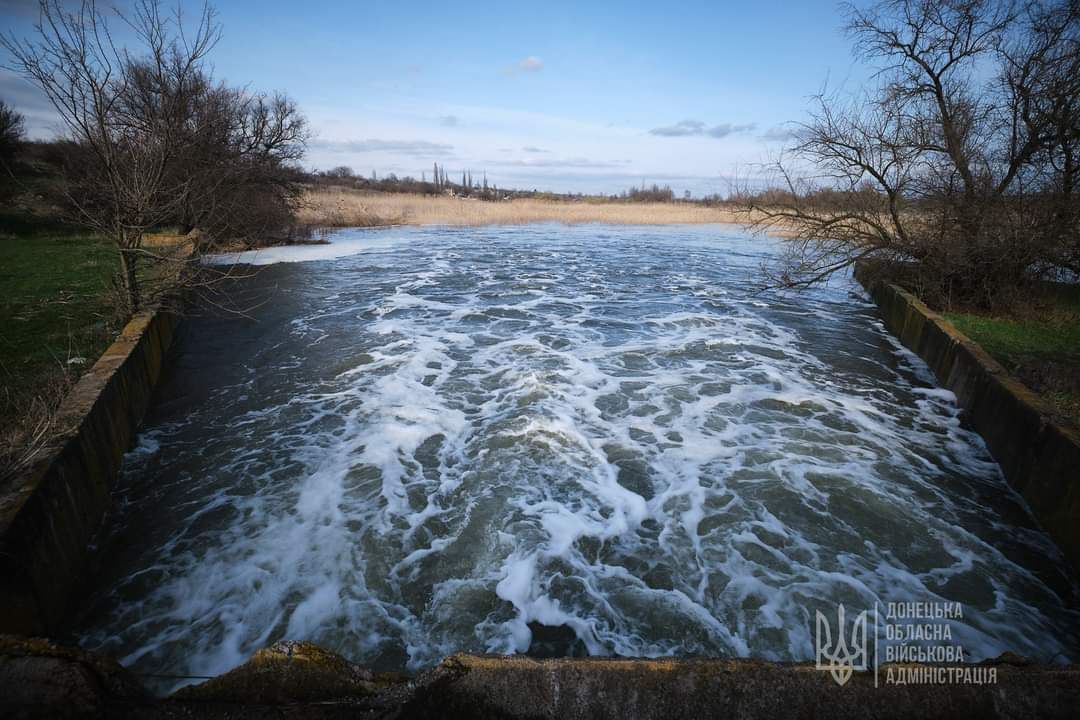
(341, 172)
(961, 161)
(152, 139)
(124, 113)
(1042, 76)
(242, 150)
(11, 131)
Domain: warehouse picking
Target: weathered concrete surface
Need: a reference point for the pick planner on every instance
(1040, 457)
(521, 687)
(49, 515)
(287, 672)
(39, 679)
(303, 681)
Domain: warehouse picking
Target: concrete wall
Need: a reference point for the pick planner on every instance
(49, 515)
(1040, 458)
(301, 680)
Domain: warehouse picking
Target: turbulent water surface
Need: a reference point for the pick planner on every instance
(581, 440)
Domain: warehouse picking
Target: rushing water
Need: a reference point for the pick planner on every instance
(458, 439)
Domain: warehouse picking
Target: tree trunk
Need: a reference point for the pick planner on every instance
(130, 280)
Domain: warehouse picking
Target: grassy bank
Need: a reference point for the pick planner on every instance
(343, 207)
(1039, 342)
(56, 320)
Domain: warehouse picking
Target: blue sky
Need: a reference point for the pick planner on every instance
(583, 96)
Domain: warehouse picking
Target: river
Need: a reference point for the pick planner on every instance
(580, 440)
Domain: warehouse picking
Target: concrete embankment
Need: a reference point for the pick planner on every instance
(1040, 457)
(301, 680)
(49, 515)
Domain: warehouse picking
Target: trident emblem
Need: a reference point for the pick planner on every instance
(846, 655)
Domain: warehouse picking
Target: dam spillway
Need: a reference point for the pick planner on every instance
(435, 440)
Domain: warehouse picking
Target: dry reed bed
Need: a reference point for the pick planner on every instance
(350, 208)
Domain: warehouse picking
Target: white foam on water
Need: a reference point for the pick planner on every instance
(488, 436)
(339, 244)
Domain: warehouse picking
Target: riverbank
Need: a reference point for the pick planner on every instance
(50, 513)
(1038, 454)
(344, 207)
(57, 320)
(59, 314)
(1037, 341)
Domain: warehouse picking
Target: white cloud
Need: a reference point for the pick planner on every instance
(688, 128)
(780, 133)
(531, 64)
(412, 148)
(581, 155)
(42, 120)
(571, 162)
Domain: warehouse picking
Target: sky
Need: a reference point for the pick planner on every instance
(568, 97)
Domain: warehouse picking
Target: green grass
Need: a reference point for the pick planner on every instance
(54, 283)
(1013, 341)
(1038, 342)
(57, 315)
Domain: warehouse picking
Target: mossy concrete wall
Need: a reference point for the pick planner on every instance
(49, 516)
(1040, 457)
(483, 687)
(301, 680)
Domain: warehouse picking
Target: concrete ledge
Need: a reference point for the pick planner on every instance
(1040, 458)
(468, 686)
(301, 680)
(49, 516)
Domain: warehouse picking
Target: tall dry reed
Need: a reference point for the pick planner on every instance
(350, 208)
